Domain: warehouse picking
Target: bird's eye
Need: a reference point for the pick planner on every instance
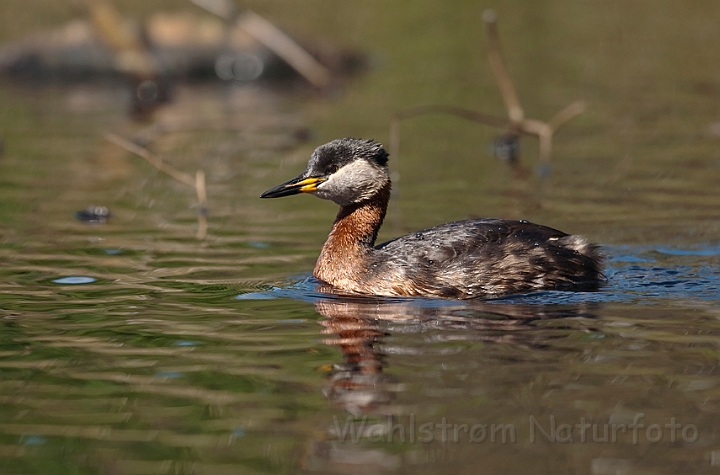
(332, 169)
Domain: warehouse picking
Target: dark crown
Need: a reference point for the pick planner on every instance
(340, 152)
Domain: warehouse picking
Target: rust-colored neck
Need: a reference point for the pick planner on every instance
(342, 259)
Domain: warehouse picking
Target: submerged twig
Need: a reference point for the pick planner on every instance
(544, 131)
(202, 204)
(197, 182)
(516, 123)
(570, 112)
(153, 159)
(497, 64)
(466, 114)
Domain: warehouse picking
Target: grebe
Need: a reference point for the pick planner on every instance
(463, 259)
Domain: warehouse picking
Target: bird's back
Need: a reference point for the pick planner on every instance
(487, 257)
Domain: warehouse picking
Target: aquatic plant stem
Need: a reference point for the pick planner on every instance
(516, 123)
(202, 204)
(499, 69)
(197, 182)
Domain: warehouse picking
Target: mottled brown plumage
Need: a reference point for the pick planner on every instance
(464, 259)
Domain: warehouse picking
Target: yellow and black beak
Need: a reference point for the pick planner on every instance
(293, 187)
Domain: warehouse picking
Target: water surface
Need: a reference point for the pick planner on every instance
(131, 347)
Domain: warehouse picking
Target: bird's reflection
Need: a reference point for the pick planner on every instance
(358, 383)
(361, 328)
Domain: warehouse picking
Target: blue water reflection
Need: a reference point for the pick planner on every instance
(74, 280)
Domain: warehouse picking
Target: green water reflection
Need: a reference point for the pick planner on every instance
(163, 354)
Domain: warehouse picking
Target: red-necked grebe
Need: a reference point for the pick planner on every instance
(463, 259)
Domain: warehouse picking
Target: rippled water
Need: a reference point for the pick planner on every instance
(131, 347)
(155, 375)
